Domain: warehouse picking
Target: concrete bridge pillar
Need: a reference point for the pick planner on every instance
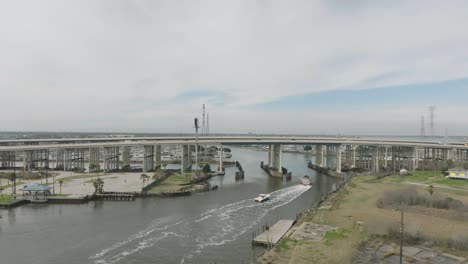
(221, 153)
(276, 167)
(354, 149)
(157, 156)
(338, 158)
(270, 155)
(94, 160)
(8, 159)
(148, 158)
(415, 158)
(111, 158)
(320, 155)
(126, 156)
(376, 155)
(184, 159)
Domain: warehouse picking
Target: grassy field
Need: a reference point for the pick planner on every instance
(427, 177)
(355, 212)
(79, 176)
(173, 183)
(6, 199)
(19, 185)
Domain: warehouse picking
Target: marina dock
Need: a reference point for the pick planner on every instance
(274, 233)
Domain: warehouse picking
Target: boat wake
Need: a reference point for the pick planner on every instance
(212, 228)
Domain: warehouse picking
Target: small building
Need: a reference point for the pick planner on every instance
(36, 193)
(457, 173)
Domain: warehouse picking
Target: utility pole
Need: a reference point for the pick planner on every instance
(423, 128)
(203, 121)
(402, 228)
(432, 109)
(207, 132)
(196, 143)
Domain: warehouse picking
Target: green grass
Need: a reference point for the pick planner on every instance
(427, 177)
(19, 185)
(79, 176)
(330, 236)
(93, 180)
(177, 179)
(287, 243)
(173, 183)
(6, 199)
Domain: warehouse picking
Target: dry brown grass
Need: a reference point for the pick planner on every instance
(357, 202)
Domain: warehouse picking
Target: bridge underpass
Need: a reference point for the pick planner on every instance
(332, 153)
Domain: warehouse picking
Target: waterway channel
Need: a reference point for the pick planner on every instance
(211, 227)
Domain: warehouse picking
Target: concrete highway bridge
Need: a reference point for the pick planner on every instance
(334, 153)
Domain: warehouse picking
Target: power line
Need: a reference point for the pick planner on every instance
(208, 123)
(423, 128)
(432, 109)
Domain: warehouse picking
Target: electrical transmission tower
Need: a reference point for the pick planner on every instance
(208, 123)
(432, 109)
(203, 122)
(423, 129)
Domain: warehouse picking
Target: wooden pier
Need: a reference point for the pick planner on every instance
(274, 233)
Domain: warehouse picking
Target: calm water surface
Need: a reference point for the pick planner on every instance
(203, 228)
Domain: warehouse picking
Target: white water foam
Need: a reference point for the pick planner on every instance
(216, 227)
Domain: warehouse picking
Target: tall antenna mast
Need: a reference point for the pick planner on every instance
(432, 109)
(423, 128)
(208, 123)
(203, 131)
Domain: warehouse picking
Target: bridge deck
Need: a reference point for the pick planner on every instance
(274, 233)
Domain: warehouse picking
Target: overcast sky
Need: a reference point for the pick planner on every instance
(307, 67)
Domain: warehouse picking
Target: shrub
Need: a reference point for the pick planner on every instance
(411, 197)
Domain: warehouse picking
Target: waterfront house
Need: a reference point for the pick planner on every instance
(36, 193)
(457, 173)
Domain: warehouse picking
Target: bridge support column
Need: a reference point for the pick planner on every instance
(35, 159)
(94, 165)
(220, 166)
(338, 158)
(415, 158)
(276, 168)
(8, 159)
(376, 158)
(320, 155)
(111, 158)
(60, 159)
(157, 156)
(126, 157)
(148, 158)
(184, 159)
(270, 155)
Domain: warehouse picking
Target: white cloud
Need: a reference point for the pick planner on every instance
(104, 60)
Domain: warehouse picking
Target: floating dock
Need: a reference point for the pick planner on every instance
(274, 233)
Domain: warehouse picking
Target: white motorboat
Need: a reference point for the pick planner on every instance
(262, 198)
(305, 180)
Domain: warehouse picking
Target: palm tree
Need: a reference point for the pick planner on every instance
(13, 179)
(144, 178)
(60, 182)
(98, 185)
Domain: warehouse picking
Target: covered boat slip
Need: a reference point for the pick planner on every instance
(274, 233)
(36, 193)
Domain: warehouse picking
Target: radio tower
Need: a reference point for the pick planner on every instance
(203, 131)
(208, 123)
(423, 129)
(432, 109)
